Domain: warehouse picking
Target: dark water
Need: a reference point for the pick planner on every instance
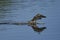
(24, 10)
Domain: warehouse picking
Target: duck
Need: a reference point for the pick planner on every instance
(31, 23)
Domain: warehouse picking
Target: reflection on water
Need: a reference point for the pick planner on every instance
(4, 8)
(8, 6)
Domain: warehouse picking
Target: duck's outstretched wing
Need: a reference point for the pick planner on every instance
(38, 16)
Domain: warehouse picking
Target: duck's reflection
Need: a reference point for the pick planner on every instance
(36, 28)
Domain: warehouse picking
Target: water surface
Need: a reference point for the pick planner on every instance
(24, 10)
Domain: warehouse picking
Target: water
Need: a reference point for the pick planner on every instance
(24, 10)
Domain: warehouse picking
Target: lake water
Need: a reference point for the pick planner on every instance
(25, 10)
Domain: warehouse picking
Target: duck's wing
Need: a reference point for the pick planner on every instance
(38, 16)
